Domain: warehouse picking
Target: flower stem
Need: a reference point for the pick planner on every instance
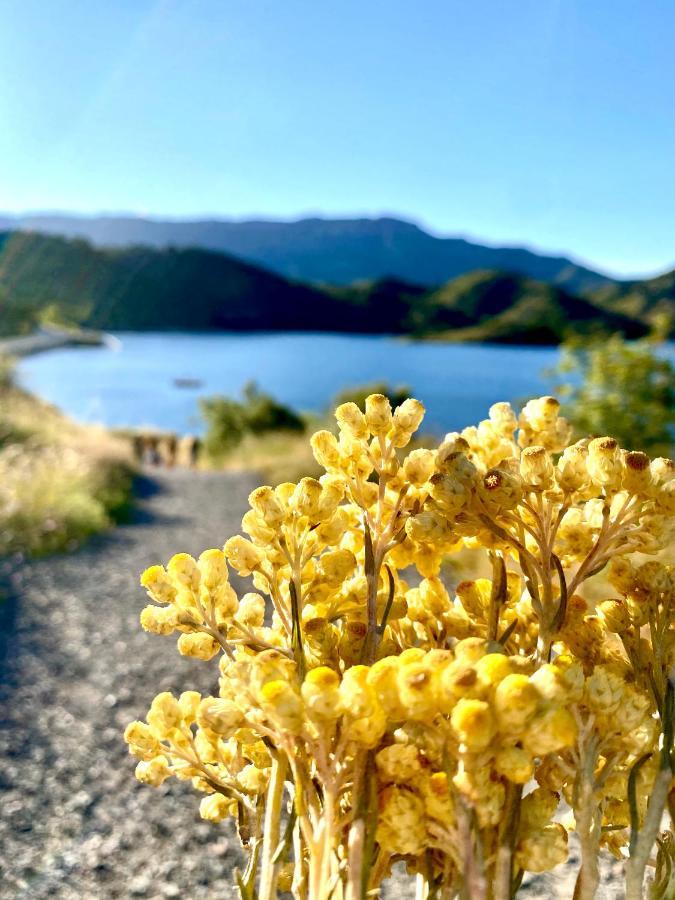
(275, 792)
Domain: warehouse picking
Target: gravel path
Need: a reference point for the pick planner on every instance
(75, 667)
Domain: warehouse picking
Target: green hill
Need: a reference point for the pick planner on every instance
(651, 300)
(52, 280)
(497, 306)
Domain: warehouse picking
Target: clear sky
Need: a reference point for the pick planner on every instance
(544, 122)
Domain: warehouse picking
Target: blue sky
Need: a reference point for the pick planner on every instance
(549, 123)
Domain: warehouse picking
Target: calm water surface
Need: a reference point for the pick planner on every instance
(134, 385)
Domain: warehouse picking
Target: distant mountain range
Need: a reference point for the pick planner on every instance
(45, 279)
(331, 251)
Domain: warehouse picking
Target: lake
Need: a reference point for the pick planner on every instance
(135, 384)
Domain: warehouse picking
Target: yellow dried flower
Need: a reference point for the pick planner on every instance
(352, 421)
(321, 694)
(543, 851)
(400, 825)
(378, 414)
(217, 807)
(159, 620)
(158, 584)
(199, 646)
(398, 763)
(604, 462)
(536, 468)
(153, 771)
(473, 722)
(243, 555)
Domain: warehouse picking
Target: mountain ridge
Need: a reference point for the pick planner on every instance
(323, 250)
(53, 280)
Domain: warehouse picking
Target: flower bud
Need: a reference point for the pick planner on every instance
(515, 764)
(244, 556)
(516, 701)
(540, 413)
(183, 569)
(663, 470)
(336, 566)
(164, 714)
(352, 421)
(332, 493)
(604, 462)
(158, 584)
(544, 850)
(153, 771)
(142, 741)
(418, 466)
(571, 471)
(306, 498)
(217, 807)
(321, 694)
(325, 449)
(451, 493)
(222, 717)
(282, 704)
(408, 416)
(198, 646)
(251, 611)
(159, 620)
(615, 615)
(473, 723)
(398, 763)
(266, 503)
(212, 567)
(189, 702)
(253, 780)
(536, 469)
(400, 826)
(378, 414)
(549, 731)
(475, 598)
(503, 419)
(429, 527)
(453, 444)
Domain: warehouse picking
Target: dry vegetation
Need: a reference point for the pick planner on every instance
(59, 482)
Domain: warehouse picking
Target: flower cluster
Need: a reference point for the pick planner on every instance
(371, 711)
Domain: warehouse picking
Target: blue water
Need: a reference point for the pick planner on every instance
(135, 384)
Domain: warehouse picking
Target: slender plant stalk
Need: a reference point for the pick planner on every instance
(642, 842)
(508, 831)
(588, 829)
(275, 793)
(637, 863)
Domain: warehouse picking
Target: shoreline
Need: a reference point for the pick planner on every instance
(51, 339)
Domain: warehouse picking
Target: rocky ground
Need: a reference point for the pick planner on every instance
(75, 667)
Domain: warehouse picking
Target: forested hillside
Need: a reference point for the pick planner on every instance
(51, 280)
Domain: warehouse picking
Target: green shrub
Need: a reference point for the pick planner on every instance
(228, 420)
(621, 389)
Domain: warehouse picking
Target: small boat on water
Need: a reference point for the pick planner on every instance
(188, 383)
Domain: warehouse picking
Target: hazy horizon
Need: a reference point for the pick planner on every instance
(532, 246)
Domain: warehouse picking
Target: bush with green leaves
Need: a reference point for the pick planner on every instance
(619, 388)
(228, 420)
